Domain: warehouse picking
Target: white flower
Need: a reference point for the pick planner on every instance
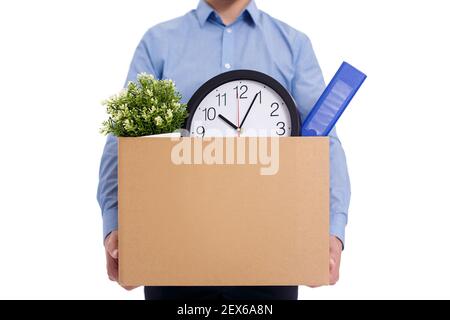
(145, 76)
(158, 121)
(169, 115)
(128, 124)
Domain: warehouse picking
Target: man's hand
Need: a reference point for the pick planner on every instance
(112, 257)
(335, 259)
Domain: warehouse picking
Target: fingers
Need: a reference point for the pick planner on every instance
(335, 259)
(114, 253)
(112, 256)
(112, 267)
(128, 288)
(112, 245)
(313, 287)
(334, 271)
(334, 278)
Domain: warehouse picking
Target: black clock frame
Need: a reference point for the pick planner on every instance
(236, 75)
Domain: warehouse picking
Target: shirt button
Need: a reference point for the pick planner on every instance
(229, 30)
(227, 66)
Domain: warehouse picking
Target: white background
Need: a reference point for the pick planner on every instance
(59, 59)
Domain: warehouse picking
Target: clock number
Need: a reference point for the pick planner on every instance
(282, 128)
(260, 97)
(242, 90)
(210, 114)
(220, 98)
(275, 106)
(201, 131)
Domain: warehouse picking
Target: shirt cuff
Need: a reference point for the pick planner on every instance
(337, 227)
(110, 222)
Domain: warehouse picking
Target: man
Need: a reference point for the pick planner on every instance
(219, 36)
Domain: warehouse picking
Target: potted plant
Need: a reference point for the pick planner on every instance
(146, 107)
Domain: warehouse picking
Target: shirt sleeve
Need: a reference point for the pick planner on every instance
(307, 88)
(107, 186)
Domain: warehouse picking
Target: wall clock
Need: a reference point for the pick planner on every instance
(242, 103)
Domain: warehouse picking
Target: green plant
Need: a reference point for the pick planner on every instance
(146, 107)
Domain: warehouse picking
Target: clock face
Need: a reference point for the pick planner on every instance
(242, 103)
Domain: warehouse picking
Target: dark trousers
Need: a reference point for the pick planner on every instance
(221, 293)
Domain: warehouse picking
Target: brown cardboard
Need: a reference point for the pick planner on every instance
(211, 225)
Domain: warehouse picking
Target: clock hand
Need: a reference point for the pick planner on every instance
(248, 111)
(238, 116)
(231, 124)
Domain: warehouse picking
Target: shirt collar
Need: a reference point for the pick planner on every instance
(253, 11)
(204, 11)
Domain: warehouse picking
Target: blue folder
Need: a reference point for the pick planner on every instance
(333, 102)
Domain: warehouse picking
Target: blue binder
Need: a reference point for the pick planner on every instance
(333, 102)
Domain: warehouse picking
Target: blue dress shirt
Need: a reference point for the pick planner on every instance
(198, 46)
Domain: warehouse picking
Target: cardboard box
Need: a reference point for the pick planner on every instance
(204, 224)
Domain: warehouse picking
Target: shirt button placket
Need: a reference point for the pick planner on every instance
(227, 49)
